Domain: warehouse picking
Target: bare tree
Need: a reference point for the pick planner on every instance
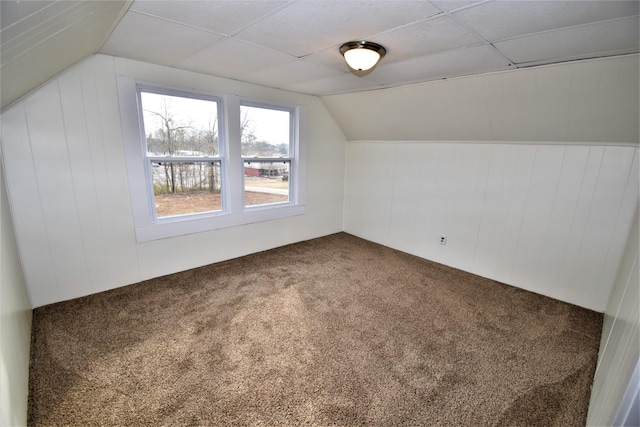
(171, 134)
(209, 146)
(247, 137)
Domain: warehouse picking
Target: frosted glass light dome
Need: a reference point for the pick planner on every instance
(361, 59)
(362, 55)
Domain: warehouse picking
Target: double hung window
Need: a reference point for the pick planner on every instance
(266, 154)
(201, 161)
(182, 149)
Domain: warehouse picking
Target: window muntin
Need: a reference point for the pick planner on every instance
(266, 134)
(182, 149)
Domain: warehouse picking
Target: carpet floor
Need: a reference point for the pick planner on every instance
(331, 331)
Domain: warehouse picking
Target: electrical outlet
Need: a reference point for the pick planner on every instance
(443, 239)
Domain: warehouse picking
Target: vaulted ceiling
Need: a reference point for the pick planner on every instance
(293, 45)
(40, 39)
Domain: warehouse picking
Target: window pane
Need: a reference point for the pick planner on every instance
(265, 132)
(181, 188)
(266, 182)
(180, 126)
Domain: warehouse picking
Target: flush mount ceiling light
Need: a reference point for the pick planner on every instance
(362, 56)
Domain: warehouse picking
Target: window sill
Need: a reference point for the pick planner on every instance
(179, 226)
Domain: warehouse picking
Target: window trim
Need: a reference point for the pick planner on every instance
(234, 213)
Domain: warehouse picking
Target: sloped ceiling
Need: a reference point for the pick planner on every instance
(40, 39)
(293, 45)
(593, 101)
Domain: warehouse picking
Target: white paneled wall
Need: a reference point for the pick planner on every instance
(620, 344)
(15, 324)
(549, 218)
(67, 184)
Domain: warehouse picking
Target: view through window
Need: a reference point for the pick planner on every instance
(185, 160)
(199, 160)
(183, 153)
(266, 154)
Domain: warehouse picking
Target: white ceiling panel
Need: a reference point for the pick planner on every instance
(156, 40)
(343, 83)
(422, 38)
(503, 19)
(214, 16)
(308, 26)
(474, 60)
(585, 41)
(451, 5)
(294, 72)
(329, 58)
(233, 58)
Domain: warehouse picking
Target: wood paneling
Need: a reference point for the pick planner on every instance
(15, 323)
(26, 206)
(50, 156)
(620, 343)
(83, 171)
(67, 184)
(552, 219)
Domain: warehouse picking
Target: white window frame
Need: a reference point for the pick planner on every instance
(220, 159)
(234, 213)
(291, 158)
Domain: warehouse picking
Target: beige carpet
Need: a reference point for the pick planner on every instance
(332, 331)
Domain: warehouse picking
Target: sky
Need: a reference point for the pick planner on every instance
(268, 125)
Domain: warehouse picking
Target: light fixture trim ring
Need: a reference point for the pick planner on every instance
(362, 44)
